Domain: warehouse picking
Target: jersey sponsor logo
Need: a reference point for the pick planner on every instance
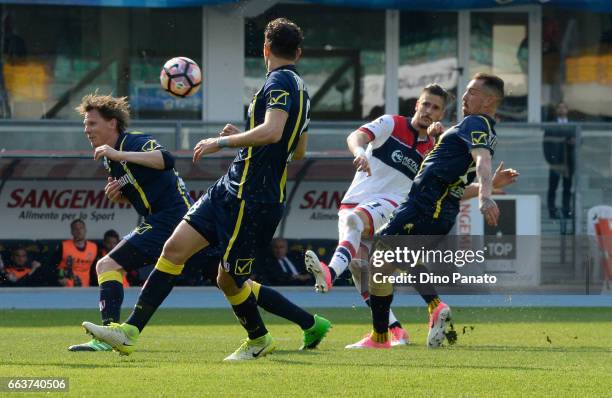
(150, 146)
(125, 180)
(243, 266)
(479, 138)
(398, 157)
(278, 97)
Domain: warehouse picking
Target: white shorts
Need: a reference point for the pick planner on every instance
(377, 208)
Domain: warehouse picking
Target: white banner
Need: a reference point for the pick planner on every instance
(314, 210)
(44, 209)
(411, 80)
(514, 258)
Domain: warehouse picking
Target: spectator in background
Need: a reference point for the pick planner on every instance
(282, 270)
(110, 240)
(558, 144)
(75, 257)
(19, 271)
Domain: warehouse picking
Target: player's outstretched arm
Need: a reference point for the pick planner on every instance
(357, 141)
(152, 159)
(269, 132)
(487, 206)
(501, 178)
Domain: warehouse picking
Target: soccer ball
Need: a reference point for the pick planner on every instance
(181, 77)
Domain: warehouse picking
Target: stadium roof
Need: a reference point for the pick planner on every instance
(590, 5)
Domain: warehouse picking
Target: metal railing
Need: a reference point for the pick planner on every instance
(520, 145)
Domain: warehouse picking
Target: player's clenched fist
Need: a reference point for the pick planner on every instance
(361, 162)
(435, 129)
(205, 147)
(108, 152)
(112, 190)
(229, 129)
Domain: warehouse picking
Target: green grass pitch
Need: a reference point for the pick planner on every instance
(501, 352)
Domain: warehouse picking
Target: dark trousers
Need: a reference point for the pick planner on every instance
(553, 183)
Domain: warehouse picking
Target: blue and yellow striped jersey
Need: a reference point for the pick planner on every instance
(259, 174)
(449, 167)
(148, 190)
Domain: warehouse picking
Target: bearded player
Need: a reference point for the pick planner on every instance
(388, 153)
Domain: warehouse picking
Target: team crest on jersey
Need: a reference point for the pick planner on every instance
(243, 266)
(142, 228)
(278, 97)
(479, 138)
(408, 228)
(150, 146)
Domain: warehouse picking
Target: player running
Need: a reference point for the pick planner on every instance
(462, 154)
(241, 211)
(142, 174)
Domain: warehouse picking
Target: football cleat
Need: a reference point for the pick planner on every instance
(316, 334)
(91, 345)
(367, 342)
(323, 280)
(437, 325)
(121, 338)
(253, 349)
(398, 336)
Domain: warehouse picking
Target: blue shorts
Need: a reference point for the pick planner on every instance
(241, 230)
(408, 220)
(149, 237)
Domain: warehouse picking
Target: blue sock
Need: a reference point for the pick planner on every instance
(111, 298)
(158, 286)
(277, 304)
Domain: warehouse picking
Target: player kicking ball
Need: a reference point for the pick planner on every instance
(463, 154)
(388, 153)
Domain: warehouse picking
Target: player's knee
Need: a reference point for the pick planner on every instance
(173, 252)
(350, 221)
(106, 264)
(226, 284)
